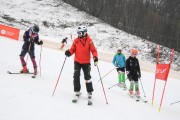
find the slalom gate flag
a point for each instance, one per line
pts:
(9, 32)
(162, 71)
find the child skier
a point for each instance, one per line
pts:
(133, 72)
(119, 61)
(30, 37)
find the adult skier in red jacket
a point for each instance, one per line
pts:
(82, 47)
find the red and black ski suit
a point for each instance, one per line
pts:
(28, 46)
(82, 47)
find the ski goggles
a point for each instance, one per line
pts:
(80, 33)
(33, 32)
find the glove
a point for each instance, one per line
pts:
(41, 42)
(95, 60)
(128, 75)
(67, 53)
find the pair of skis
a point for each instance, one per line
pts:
(75, 100)
(137, 99)
(33, 76)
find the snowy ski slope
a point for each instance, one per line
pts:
(25, 98)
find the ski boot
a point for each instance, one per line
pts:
(137, 94)
(124, 86)
(131, 93)
(24, 70)
(137, 89)
(77, 94)
(90, 98)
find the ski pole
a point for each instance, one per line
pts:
(107, 73)
(142, 88)
(59, 76)
(102, 85)
(40, 61)
(174, 102)
(28, 52)
(113, 85)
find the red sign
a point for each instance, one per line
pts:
(9, 32)
(162, 71)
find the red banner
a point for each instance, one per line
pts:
(162, 71)
(9, 32)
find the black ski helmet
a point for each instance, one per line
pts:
(35, 29)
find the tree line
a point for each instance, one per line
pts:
(155, 20)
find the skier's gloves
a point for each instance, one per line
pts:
(128, 75)
(95, 60)
(67, 53)
(40, 42)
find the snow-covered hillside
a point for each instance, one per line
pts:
(58, 19)
(25, 98)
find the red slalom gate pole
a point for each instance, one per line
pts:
(59, 76)
(40, 60)
(102, 86)
(157, 62)
(162, 97)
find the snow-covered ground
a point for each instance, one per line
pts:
(25, 98)
(58, 19)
